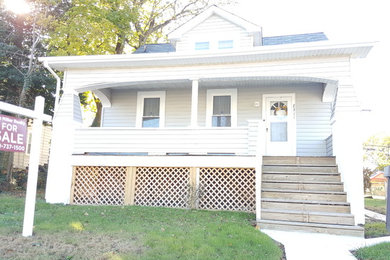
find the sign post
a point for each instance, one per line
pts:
(13, 138)
(387, 174)
(33, 167)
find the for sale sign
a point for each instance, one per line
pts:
(13, 134)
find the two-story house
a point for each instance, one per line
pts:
(221, 117)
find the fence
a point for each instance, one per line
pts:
(175, 187)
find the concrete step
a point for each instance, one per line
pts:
(300, 169)
(308, 216)
(300, 160)
(299, 177)
(303, 185)
(345, 230)
(305, 205)
(304, 195)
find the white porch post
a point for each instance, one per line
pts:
(67, 117)
(194, 103)
(347, 147)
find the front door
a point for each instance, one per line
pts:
(279, 119)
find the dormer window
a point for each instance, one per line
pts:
(199, 46)
(228, 44)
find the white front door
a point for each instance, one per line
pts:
(279, 119)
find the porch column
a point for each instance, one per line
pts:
(67, 117)
(347, 147)
(194, 103)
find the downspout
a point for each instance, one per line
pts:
(58, 87)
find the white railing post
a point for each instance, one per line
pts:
(259, 152)
(194, 103)
(32, 180)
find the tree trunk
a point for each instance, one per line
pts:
(120, 44)
(98, 117)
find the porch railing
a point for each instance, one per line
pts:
(235, 140)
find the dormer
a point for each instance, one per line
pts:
(215, 29)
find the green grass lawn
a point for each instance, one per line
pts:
(375, 229)
(376, 205)
(131, 232)
(376, 252)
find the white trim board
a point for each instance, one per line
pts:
(166, 161)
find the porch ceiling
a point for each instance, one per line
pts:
(210, 82)
(103, 91)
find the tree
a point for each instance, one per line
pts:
(92, 27)
(21, 77)
(377, 151)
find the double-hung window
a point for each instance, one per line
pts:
(221, 108)
(151, 113)
(150, 109)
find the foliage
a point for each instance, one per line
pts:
(378, 252)
(111, 25)
(159, 233)
(377, 151)
(21, 76)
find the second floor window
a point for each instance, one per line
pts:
(225, 44)
(202, 46)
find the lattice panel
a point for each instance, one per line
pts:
(162, 186)
(99, 185)
(227, 189)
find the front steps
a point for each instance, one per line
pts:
(305, 194)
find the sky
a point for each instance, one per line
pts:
(344, 21)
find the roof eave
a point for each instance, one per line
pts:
(261, 53)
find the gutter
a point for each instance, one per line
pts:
(58, 87)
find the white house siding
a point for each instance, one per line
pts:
(123, 109)
(21, 160)
(213, 29)
(122, 112)
(312, 115)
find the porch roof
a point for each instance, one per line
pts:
(255, 54)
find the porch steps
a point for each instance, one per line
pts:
(345, 230)
(308, 216)
(303, 185)
(305, 194)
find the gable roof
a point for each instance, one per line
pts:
(377, 175)
(295, 38)
(213, 10)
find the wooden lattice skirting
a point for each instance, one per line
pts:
(176, 187)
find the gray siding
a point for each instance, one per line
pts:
(312, 115)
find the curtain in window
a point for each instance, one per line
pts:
(151, 115)
(151, 107)
(221, 111)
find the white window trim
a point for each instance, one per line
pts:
(141, 95)
(232, 92)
